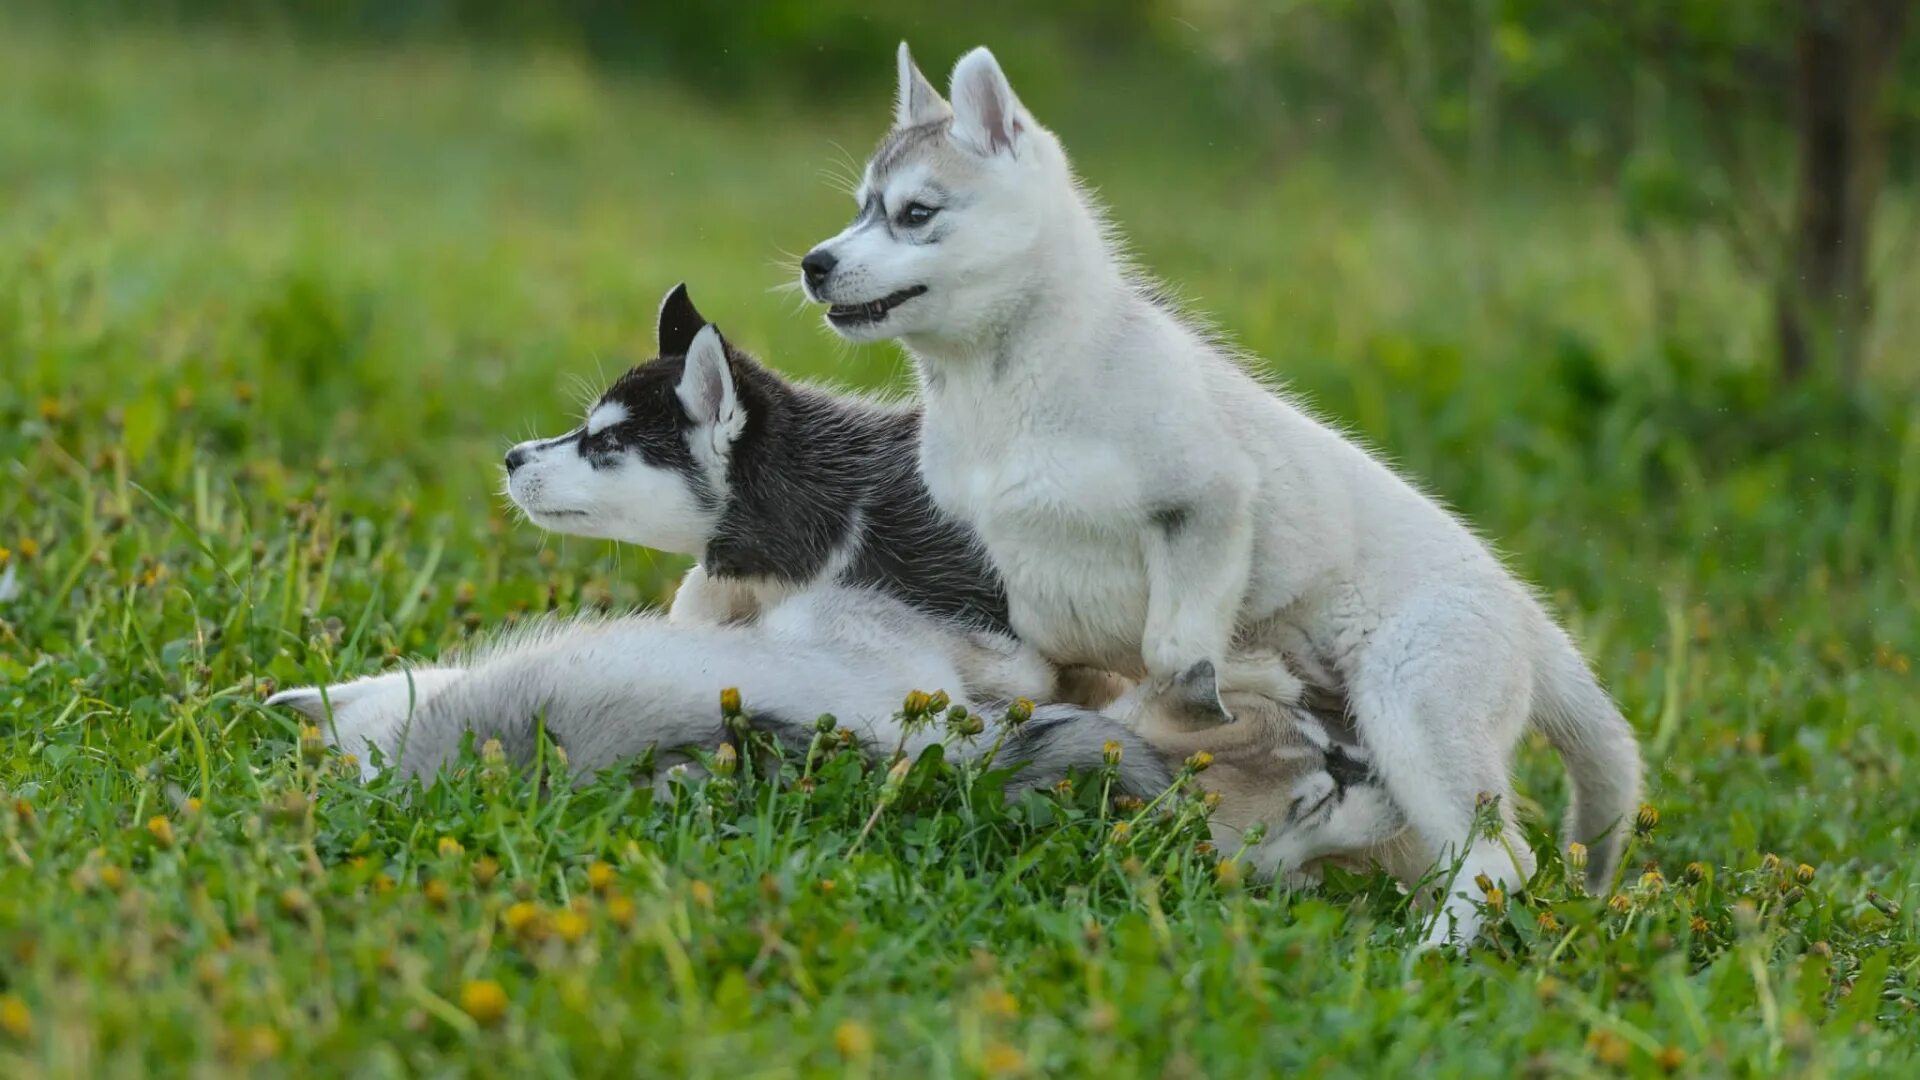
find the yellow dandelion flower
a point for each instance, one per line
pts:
(600, 876)
(436, 893)
(161, 830)
(484, 1000)
(450, 848)
(1002, 1060)
(570, 926)
(485, 869)
(16, 1019)
(702, 894)
(852, 1039)
(998, 1003)
(620, 910)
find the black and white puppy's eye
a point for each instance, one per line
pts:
(914, 215)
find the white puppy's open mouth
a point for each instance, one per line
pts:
(873, 311)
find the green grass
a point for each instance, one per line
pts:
(269, 316)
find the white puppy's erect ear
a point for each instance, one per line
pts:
(918, 102)
(986, 115)
(707, 391)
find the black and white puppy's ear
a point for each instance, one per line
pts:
(1194, 696)
(986, 115)
(679, 321)
(709, 397)
(917, 102)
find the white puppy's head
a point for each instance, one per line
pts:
(954, 207)
(649, 466)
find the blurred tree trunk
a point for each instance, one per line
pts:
(1845, 52)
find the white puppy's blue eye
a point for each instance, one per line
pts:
(916, 214)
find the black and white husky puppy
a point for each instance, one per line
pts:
(607, 690)
(774, 486)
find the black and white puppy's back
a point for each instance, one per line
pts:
(773, 486)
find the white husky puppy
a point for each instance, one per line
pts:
(1149, 505)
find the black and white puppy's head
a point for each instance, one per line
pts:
(649, 466)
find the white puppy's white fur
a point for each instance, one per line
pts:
(1150, 504)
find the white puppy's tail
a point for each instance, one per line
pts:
(1600, 751)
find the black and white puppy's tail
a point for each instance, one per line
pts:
(1063, 739)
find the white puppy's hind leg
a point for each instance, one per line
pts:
(1440, 699)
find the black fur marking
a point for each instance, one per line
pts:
(679, 322)
(1345, 770)
(655, 426)
(1171, 520)
(810, 474)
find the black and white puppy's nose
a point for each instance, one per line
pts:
(817, 265)
(517, 457)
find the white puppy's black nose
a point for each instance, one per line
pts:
(517, 457)
(817, 265)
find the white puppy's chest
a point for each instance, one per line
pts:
(1061, 520)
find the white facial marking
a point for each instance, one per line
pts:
(605, 415)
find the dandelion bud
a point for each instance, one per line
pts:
(1211, 800)
(1652, 883)
(1199, 761)
(1645, 821)
(1122, 830)
(896, 779)
(730, 702)
(1227, 875)
(449, 847)
(313, 747)
(1694, 874)
(1129, 804)
(1484, 882)
(1577, 857)
(938, 702)
(1019, 712)
(1793, 896)
(1804, 874)
(825, 724)
(492, 754)
(1063, 787)
(1547, 923)
(963, 723)
(1110, 752)
(161, 830)
(1670, 1059)
(725, 760)
(917, 704)
(1620, 904)
(1770, 863)
(1496, 901)
(1254, 834)
(1883, 905)
(1699, 925)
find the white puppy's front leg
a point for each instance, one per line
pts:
(1198, 554)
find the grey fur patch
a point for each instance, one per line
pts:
(1063, 738)
(1171, 520)
(901, 144)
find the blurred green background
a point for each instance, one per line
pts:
(1632, 284)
